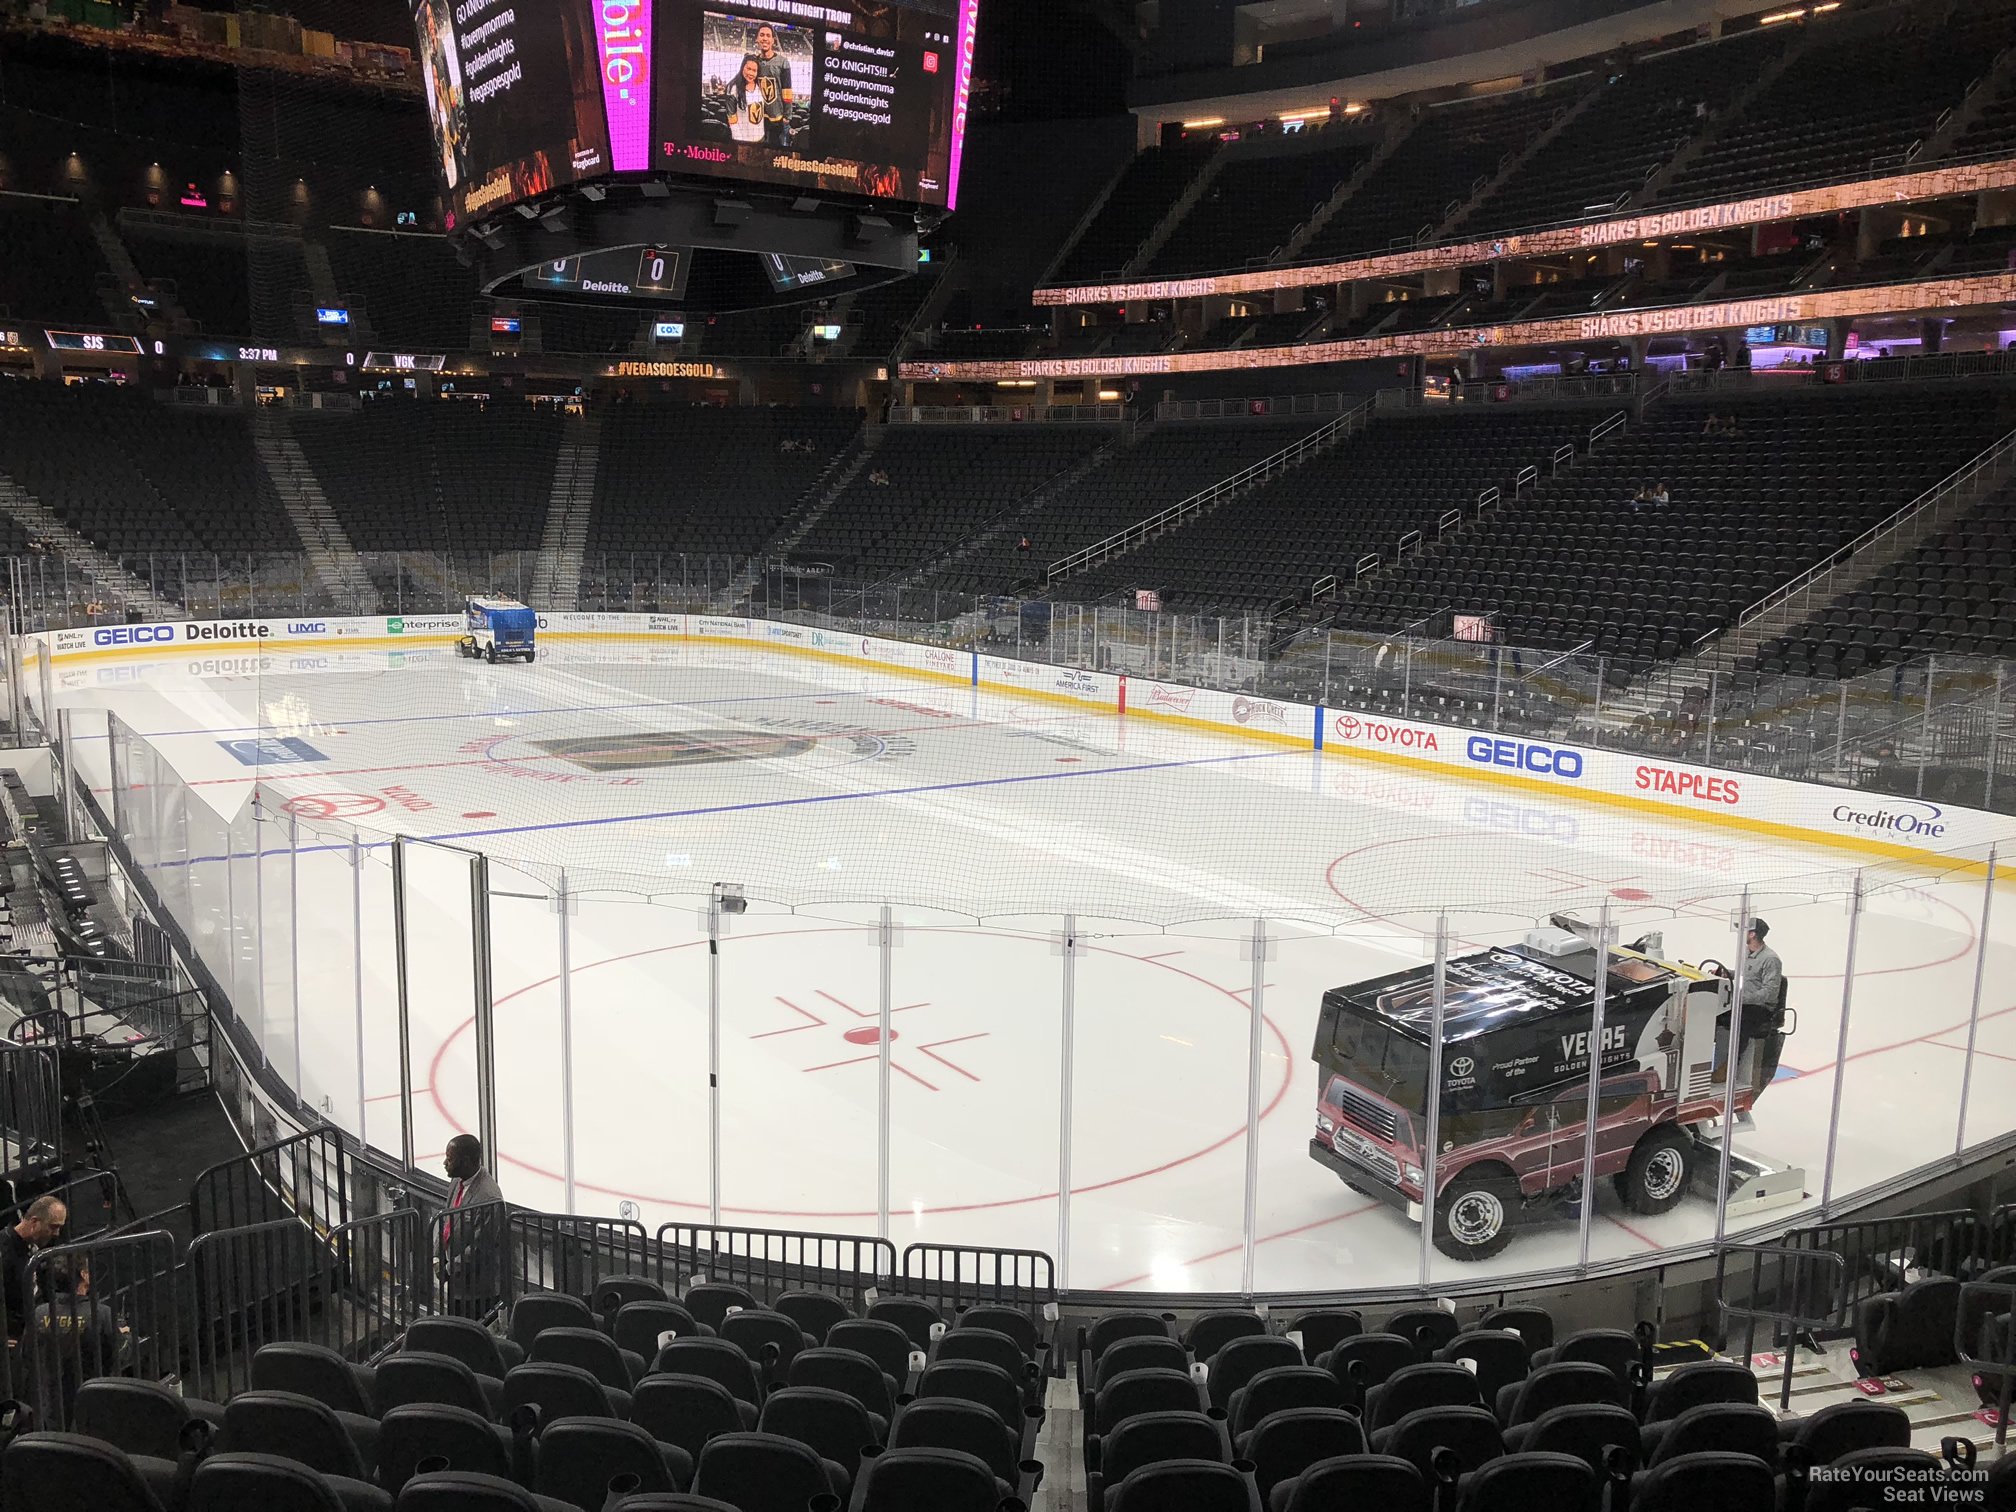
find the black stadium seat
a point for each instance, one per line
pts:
(1356, 1480)
(1908, 1329)
(66, 1472)
(466, 1340)
(419, 1432)
(686, 1411)
(1531, 1483)
(760, 1472)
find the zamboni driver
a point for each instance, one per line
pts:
(1763, 988)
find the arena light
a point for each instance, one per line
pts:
(1785, 15)
(1206, 122)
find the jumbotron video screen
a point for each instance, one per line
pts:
(862, 97)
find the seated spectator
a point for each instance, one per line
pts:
(1660, 497)
(1712, 426)
(1642, 498)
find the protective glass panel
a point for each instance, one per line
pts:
(438, 931)
(534, 1046)
(373, 909)
(1915, 959)
(245, 907)
(1991, 1091)
(325, 982)
(1325, 1218)
(976, 1013)
(799, 996)
(279, 965)
(1160, 1063)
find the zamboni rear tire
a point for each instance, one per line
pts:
(1661, 1169)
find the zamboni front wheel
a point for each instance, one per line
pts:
(1661, 1168)
(1476, 1215)
(490, 655)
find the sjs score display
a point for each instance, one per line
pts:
(864, 97)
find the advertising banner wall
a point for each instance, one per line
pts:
(1617, 779)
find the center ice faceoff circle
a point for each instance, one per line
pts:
(627, 759)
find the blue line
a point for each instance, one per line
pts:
(768, 803)
(665, 703)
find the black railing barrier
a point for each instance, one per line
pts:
(1881, 1254)
(112, 1307)
(562, 1252)
(380, 1282)
(304, 1176)
(248, 1287)
(31, 1109)
(1793, 1290)
(954, 1277)
(770, 1261)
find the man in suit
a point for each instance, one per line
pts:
(472, 1232)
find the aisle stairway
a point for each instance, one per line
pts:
(331, 556)
(556, 576)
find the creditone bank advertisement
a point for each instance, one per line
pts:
(856, 97)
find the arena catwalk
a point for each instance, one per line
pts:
(645, 776)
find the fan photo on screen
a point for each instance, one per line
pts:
(441, 85)
(509, 95)
(756, 82)
(862, 102)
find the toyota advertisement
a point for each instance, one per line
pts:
(860, 97)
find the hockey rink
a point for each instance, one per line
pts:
(645, 776)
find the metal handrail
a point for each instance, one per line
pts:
(1563, 454)
(1262, 407)
(1527, 477)
(1345, 424)
(1447, 521)
(1016, 414)
(1607, 428)
(1931, 498)
(1580, 649)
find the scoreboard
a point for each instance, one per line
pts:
(621, 272)
(860, 98)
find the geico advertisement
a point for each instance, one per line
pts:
(177, 634)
